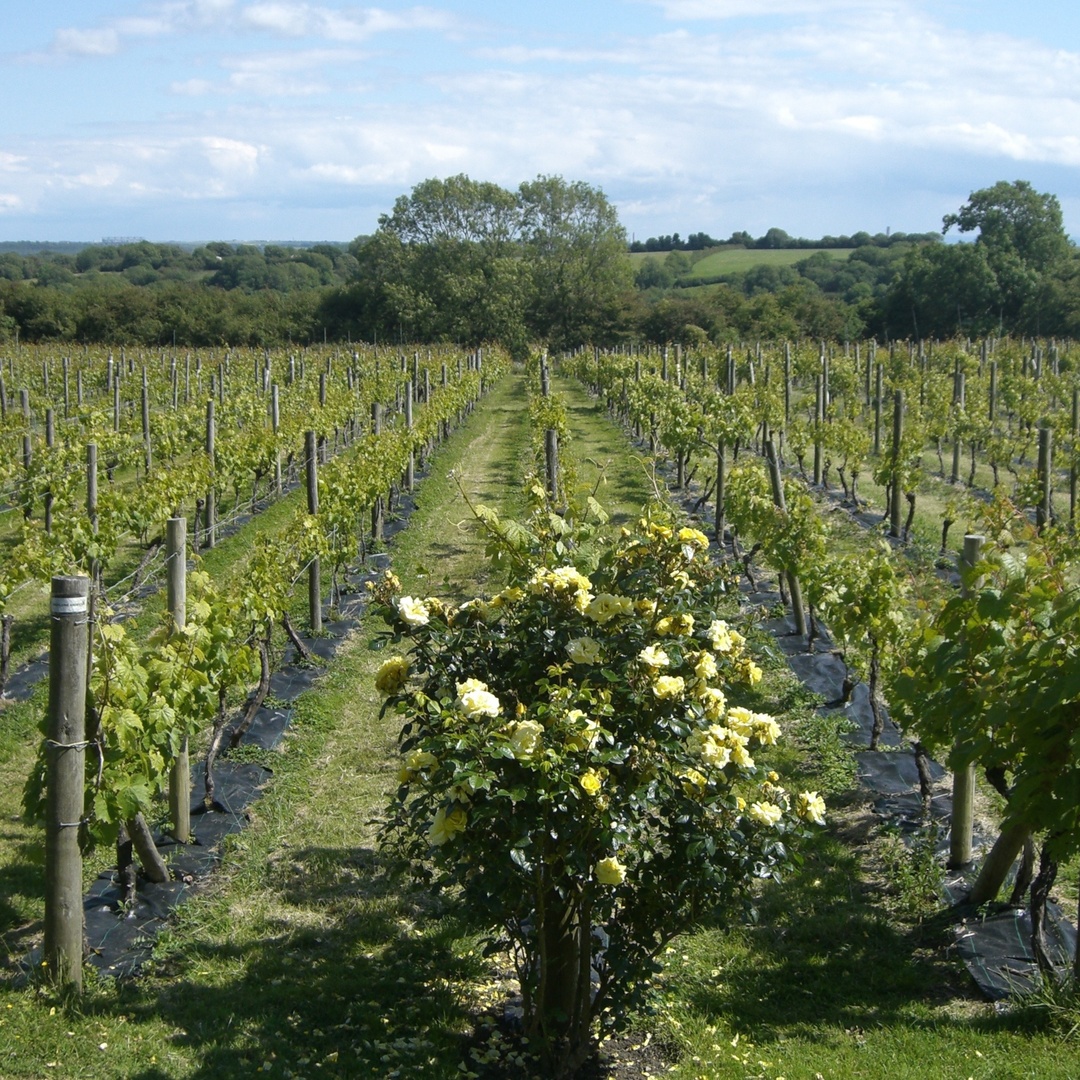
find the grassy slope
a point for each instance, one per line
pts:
(733, 260)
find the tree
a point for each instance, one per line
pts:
(1021, 232)
(943, 289)
(1014, 220)
(444, 264)
(576, 252)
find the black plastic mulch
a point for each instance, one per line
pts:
(996, 948)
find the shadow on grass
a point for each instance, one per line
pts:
(338, 976)
(22, 883)
(825, 957)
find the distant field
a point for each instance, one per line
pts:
(734, 260)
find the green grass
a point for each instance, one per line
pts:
(731, 260)
(738, 260)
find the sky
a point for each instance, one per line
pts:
(285, 120)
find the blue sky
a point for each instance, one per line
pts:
(280, 119)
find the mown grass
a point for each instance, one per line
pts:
(730, 260)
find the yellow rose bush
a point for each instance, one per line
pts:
(575, 761)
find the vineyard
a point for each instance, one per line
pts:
(579, 696)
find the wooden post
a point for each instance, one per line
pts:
(311, 477)
(275, 423)
(180, 772)
(963, 793)
(794, 588)
(787, 384)
(819, 422)
(377, 510)
(65, 769)
(720, 526)
(147, 449)
(992, 406)
(210, 509)
(50, 442)
(116, 404)
(92, 502)
(551, 462)
(1072, 467)
(958, 401)
(1043, 516)
(896, 495)
(410, 468)
(67, 387)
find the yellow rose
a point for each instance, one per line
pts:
(610, 871)
(526, 739)
(588, 730)
(741, 719)
(392, 675)
(669, 686)
(811, 806)
(766, 813)
(475, 700)
(766, 729)
(413, 611)
(693, 537)
(705, 666)
(591, 782)
(583, 650)
(653, 657)
(712, 701)
(416, 761)
(447, 824)
(694, 783)
(720, 636)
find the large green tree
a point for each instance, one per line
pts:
(1024, 240)
(444, 265)
(468, 261)
(576, 252)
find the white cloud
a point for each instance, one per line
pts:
(308, 20)
(9, 202)
(734, 9)
(80, 42)
(230, 156)
(284, 18)
(192, 87)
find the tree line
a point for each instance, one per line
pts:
(467, 261)
(777, 238)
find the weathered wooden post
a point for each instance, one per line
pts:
(1043, 514)
(311, 478)
(275, 423)
(963, 794)
(895, 493)
(210, 506)
(410, 467)
(65, 746)
(180, 772)
(798, 611)
(378, 509)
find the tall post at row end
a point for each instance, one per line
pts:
(65, 753)
(180, 772)
(311, 476)
(963, 797)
